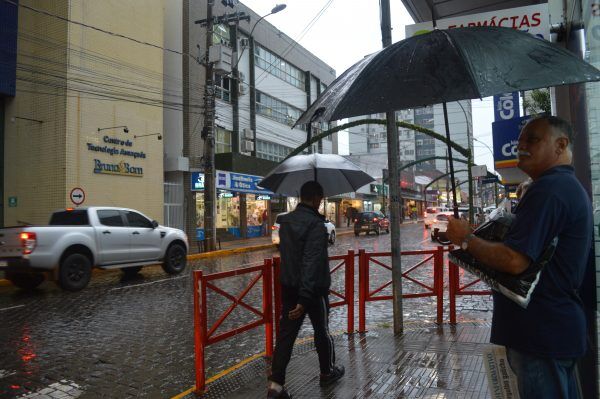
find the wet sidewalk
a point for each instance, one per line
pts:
(265, 241)
(427, 361)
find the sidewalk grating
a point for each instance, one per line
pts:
(427, 361)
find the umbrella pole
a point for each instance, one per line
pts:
(450, 162)
(394, 172)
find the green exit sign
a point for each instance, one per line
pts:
(12, 202)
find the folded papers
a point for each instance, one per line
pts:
(517, 288)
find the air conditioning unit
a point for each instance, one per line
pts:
(247, 146)
(244, 42)
(248, 133)
(220, 55)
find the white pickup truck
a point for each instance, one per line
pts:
(77, 240)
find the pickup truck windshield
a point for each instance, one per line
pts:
(70, 218)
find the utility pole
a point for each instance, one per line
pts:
(393, 166)
(208, 134)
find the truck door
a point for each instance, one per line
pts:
(113, 237)
(146, 241)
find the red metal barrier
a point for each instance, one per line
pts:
(347, 298)
(455, 289)
(204, 336)
(366, 295)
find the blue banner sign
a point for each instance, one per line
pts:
(197, 181)
(506, 106)
(229, 181)
(506, 135)
(9, 27)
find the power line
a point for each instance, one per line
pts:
(49, 14)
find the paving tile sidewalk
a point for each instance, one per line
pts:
(426, 361)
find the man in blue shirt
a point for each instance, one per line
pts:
(543, 341)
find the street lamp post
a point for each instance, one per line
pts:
(495, 183)
(235, 73)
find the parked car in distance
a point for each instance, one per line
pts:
(365, 222)
(77, 240)
(439, 227)
(430, 214)
(275, 230)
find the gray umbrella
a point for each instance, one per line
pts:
(448, 65)
(336, 174)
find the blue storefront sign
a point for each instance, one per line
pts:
(505, 135)
(9, 16)
(506, 106)
(229, 181)
(197, 181)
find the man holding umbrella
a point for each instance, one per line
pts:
(305, 282)
(544, 340)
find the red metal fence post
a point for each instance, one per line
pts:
(199, 331)
(452, 288)
(277, 293)
(268, 306)
(438, 278)
(350, 290)
(362, 290)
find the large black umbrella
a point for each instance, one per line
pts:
(335, 173)
(447, 65)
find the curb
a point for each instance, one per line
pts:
(212, 254)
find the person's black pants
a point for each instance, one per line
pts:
(318, 312)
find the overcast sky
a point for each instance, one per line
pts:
(345, 32)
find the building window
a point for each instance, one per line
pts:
(276, 66)
(271, 151)
(223, 88)
(222, 140)
(277, 110)
(373, 145)
(323, 87)
(424, 110)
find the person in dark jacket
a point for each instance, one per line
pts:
(305, 282)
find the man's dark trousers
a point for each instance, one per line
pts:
(318, 312)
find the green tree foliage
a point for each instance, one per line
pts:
(538, 102)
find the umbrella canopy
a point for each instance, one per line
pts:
(448, 65)
(335, 173)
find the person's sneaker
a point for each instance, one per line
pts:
(336, 373)
(274, 394)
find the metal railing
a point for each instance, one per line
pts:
(366, 294)
(268, 313)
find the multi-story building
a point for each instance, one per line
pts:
(264, 81)
(81, 107)
(371, 139)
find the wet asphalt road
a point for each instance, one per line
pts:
(134, 338)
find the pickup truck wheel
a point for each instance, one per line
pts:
(175, 259)
(131, 271)
(75, 272)
(25, 281)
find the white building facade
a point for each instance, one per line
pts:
(263, 82)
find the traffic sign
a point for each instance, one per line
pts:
(77, 196)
